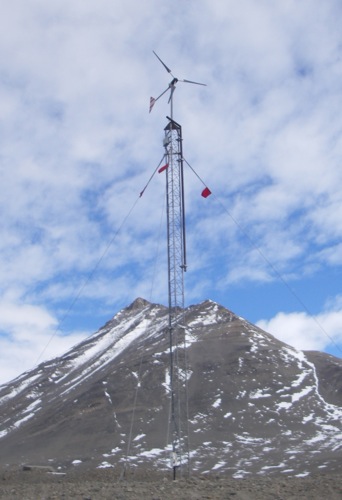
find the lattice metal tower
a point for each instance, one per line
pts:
(176, 252)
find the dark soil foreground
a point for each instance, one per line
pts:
(105, 484)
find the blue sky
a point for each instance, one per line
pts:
(77, 145)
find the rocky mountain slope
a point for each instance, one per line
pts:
(256, 405)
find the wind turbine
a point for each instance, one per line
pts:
(171, 87)
(177, 265)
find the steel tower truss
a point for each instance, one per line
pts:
(176, 249)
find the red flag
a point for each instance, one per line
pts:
(152, 101)
(164, 167)
(206, 192)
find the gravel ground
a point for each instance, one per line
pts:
(105, 484)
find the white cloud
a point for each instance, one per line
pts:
(77, 144)
(29, 335)
(306, 332)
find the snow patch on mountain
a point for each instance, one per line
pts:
(17, 389)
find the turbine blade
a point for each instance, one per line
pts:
(162, 94)
(154, 100)
(196, 83)
(167, 69)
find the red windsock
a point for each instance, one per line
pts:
(206, 192)
(164, 167)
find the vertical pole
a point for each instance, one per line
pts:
(176, 267)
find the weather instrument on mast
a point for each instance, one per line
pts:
(177, 264)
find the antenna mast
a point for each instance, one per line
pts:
(176, 252)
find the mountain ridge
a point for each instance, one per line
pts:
(256, 405)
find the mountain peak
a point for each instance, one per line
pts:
(138, 303)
